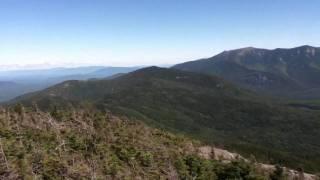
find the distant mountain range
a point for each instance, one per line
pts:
(10, 89)
(18, 82)
(78, 73)
(202, 106)
(293, 73)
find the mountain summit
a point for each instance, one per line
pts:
(291, 72)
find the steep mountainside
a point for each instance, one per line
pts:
(290, 72)
(201, 106)
(88, 144)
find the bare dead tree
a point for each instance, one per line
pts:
(4, 155)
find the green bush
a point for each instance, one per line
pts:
(145, 158)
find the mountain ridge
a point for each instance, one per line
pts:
(280, 72)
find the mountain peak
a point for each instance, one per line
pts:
(247, 48)
(243, 51)
(306, 46)
(148, 69)
(240, 50)
(298, 48)
(307, 50)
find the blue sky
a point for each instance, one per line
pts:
(145, 32)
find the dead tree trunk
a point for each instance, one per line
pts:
(3, 156)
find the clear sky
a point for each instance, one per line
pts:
(145, 32)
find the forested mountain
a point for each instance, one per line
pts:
(18, 82)
(201, 106)
(292, 72)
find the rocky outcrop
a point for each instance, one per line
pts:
(209, 152)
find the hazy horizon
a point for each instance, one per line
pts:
(42, 66)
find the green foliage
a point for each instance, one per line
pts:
(55, 113)
(182, 168)
(199, 168)
(53, 168)
(101, 146)
(76, 143)
(126, 155)
(145, 158)
(193, 167)
(18, 108)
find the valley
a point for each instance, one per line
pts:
(200, 106)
